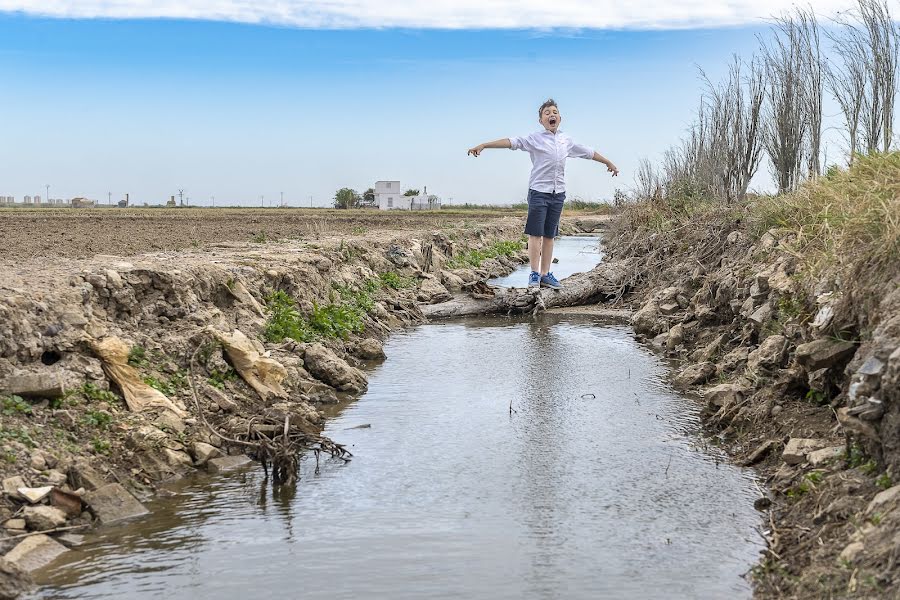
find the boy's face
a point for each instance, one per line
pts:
(550, 118)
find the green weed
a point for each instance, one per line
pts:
(137, 357)
(884, 481)
(15, 405)
(396, 281)
(218, 378)
(97, 418)
(474, 257)
(101, 446)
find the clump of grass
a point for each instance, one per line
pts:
(101, 446)
(259, 238)
(345, 314)
(169, 387)
(16, 435)
(217, 378)
(396, 281)
(97, 418)
(137, 356)
(850, 216)
(884, 481)
(474, 257)
(92, 393)
(15, 405)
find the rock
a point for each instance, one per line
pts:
(761, 314)
(326, 366)
(55, 478)
(203, 452)
(776, 410)
(824, 353)
(11, 487)
(644, 321)
(797, 449)
(733, 238)
(884, 501)
(669, 308)
(68, 503)
(15, 524)
(225, 463)
(168, 420)
(724, 395)
(675, 337)
(34, 552)
(852, 552)
(818, 458)
(13, 581)
(113, 279)
(43, 518)
(177, 458)
(695, 374)
(823, 317)
(769, 355)
(369, 349)
(112, 503)
(432, 292)
(37, 461)
(736, 359)
(35, 385)
(317, 391)
(83, 475)
(452, 281)
(872, 367)
(34, 495)
(759, 288)
(856, 425)
(222, 400)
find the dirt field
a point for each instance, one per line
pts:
(81, 233)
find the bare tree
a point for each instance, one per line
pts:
(847, 82)
(812, 72)
(786, 119)
(647, 182)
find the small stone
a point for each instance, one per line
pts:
(82, 474)
(762, 504)
(761, 314)
(872, 367)
(225, 463)
(369, 349)
(15, 524)
(817, 458)
(43, 518)
(34, 552)
(761, 451)
(669, 308)
(11, 486)
(885, 500)
(723, 395)
(675, 337)
(823, 353)
(37, 461)
(177, 458)
(42, 384)
(171, 421)
(55, 478)
(34, 495)
(852, 552)
(112, 502)
(695, 374)
(760, 287)
(797, 449)
(776, 410)
(113, 279)
(204, 452)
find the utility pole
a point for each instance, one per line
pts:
(262, 201)
(109, 198)
(48, 193)
(282, 199)
(310, 201)
(181, 197)
(213, 198)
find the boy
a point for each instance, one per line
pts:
(546, 187)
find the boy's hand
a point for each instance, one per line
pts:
(476, 150)
(612, 169)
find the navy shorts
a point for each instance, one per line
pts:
(544, 210)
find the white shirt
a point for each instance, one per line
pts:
(548, 158)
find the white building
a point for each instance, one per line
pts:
(389, 196)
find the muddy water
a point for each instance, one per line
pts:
(595, 485)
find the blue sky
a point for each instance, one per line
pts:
(238, 111)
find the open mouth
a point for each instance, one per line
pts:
(553, 120)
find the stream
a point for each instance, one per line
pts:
(493, 458)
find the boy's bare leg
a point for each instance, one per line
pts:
(546, 254)
(534, 252)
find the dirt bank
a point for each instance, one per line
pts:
(795, 352)
(120, 372)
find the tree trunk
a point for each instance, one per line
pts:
(606, 281)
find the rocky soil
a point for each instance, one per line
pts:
(800, 376)
(120, 372)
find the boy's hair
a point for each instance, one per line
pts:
(548, 103)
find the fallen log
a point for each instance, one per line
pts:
(606, 281)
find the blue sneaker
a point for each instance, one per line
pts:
(534, 280)
(550, 281)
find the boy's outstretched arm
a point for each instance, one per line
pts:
(501, 143)
(609, 165)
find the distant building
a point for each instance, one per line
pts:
(424, 202)
(37, 200)
(389, 196)
(82, 203)
(27, 199)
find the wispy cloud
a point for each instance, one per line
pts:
(444, 14)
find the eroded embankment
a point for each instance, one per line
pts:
(120, 373)
(799, 368)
